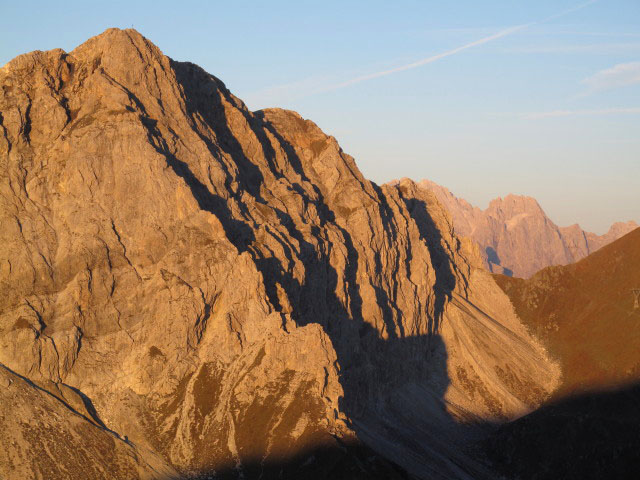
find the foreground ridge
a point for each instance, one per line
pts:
(585, 314)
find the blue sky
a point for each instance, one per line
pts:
(538, 98)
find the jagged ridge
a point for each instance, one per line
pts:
(226, 289)
(516, 236)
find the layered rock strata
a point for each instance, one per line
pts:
(516, 236)
(226, 290)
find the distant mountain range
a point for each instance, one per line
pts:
(516, 236)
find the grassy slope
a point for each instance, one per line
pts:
(584, 314)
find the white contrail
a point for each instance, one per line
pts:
(566, 12)
(425, 61)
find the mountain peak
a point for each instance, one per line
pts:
(619, 229)
(127, 48)
(221, 266)
(113, 37)
(517, 235)
(513, 204)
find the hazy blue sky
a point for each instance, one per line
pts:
(485, 97)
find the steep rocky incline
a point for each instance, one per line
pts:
(225, 289)
(516, 236)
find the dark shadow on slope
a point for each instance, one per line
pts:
(590, 436)
(338, 462)
(373, 369)
(492, 255)
(204, 106)
(239, 233)
(93, 417)
(89, 407)
(339, 458)
(494, 259)
(442, 263)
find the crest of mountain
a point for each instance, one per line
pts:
(588, 317)
(190, 289)
(516, 236)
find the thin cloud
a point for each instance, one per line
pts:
(572, 113)
(285, 93)
(598, 34)
(597, 49)
(313, 85)
(620, 75)
(434, 58)
(567, 12)
(428, 60)
(425, 61)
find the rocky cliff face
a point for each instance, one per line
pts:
(517, 237)
(226, 292)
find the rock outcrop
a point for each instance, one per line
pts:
(516, 236)
(228, 292)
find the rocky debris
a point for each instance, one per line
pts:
(227, 290)
(516, 236)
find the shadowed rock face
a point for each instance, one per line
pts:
(516, 236)
(227, 292)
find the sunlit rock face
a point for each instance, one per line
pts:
(515, 235)
(226, 294)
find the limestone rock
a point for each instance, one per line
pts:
(516, 236)
(228, 290)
